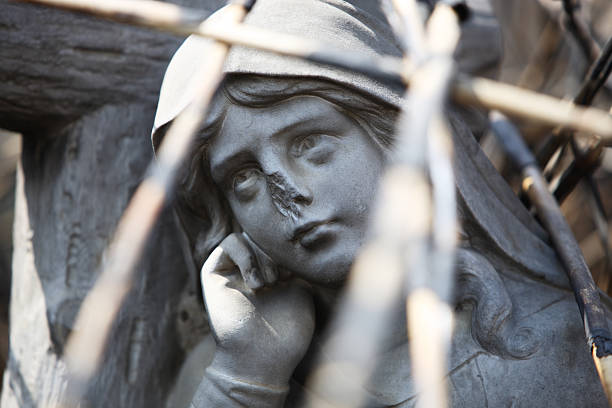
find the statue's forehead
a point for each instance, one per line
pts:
(248, 123)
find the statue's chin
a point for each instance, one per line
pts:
(330, 265)
(331, 274)
(322, 257)
(331, 280)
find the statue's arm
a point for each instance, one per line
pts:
(260, 336)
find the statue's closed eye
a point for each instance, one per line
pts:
(316, 148)
(245, 182)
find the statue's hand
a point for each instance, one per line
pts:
(261, 336)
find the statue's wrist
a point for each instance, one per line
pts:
(247, 393)
(241, 368)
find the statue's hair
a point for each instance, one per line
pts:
(204, 213)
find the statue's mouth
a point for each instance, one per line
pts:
(313, 233)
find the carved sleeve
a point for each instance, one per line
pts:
(220, 390)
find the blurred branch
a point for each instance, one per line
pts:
(86, 345)
(533, 106)
(587, 161)
(412, 29)
(533, 75)
(580, 170)
(153, 14)
(408, 215)
(429, 314)
(489, 94)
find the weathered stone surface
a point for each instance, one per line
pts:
(57, 65)
(72, 189)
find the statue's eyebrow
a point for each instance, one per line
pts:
(297, 125)
(220, 168)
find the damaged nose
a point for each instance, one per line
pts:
(286, 196)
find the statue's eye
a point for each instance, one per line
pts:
(316, 148)
(245, 182)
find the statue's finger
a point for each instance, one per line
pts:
(226, 296)
(239, 252)
(267, 269)
(217, 262)
(214, 277)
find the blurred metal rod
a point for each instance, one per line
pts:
(482, 92)
(596, 77)
(587, 296)
(585, 163)
(86, 345)
(580, 30)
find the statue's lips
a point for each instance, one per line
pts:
(312, 233)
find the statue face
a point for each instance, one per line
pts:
(299, 177)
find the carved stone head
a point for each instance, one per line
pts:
(291, 151)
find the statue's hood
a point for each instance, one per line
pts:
(355, 26)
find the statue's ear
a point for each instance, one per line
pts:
(493, 215)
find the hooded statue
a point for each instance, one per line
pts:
(280, 179)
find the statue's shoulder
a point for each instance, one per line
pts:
(559, 372)
(517, 342)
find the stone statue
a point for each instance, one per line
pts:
(274, 201)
